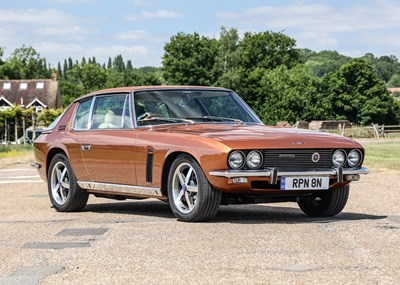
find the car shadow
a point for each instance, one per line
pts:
(240, 214)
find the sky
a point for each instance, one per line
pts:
(139, 29)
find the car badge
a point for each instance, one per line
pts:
(297, 142)
(315, 157)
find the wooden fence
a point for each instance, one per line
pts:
(383, 131)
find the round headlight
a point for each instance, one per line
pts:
(236, 160)
(339, 158)
(354, 158)
(254, 159)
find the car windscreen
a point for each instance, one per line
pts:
(163, 106)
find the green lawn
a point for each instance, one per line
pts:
(9, 151)
(382, 155)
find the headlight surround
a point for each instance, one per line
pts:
(236, 159)
(339, 158)
(354, 158)
(254, 159)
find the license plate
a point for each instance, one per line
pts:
(304, 183)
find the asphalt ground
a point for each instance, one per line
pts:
(141, 242)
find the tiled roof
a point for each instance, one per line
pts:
(394, 89)
(25, 92)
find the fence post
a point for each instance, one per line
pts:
(23, 130)
(376, 132)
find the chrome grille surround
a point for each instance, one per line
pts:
(297, 159)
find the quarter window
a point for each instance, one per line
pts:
(81, 121)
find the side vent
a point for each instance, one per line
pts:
(149, 166)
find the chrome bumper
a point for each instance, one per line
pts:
(274, 173)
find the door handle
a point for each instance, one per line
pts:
(86, 147)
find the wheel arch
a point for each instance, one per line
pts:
(51, 154)
(167, 166)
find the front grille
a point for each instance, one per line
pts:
(297, 159)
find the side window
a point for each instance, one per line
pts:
(81, 121)
(109, 112)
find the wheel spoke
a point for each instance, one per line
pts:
(63, 174)
(63, 194)
(58, 173)
(188, 175)
(56, 189)
(189, 200)
(181, 178)
(192, 189)
(178, 199)
(65, 185)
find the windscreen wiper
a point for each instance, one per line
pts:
(165, 119)
(215, 119)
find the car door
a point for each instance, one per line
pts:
(108, 146)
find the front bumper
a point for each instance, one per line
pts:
(275, 174)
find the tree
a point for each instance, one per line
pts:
(394, 81)
(267, 50)
(47, 116)
(1, 55)
(129, 65)
(226, 67)
(324, 62)
(93, 77)
(24, 63)
(385, 66)
(189, 59)
(70, 91)
(291, 95)
(119, 63)
(357, 94)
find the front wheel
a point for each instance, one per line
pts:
(325, 204)
(191, 197)
(64, 191)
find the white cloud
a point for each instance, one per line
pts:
(73, 1)
(106, 51)
(137, 35)
(70, 32)
(57, 48)
(145, 15)
(321, 25)
(35, 17)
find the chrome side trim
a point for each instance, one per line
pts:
(120, 189)
(269, 173)
(36, 165)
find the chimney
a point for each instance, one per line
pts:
(54, 75)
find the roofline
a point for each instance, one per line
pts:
(40, 102)
(131, 89)
(5, 99)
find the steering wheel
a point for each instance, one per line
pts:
(148, 115)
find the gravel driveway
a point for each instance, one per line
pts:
(140, 242)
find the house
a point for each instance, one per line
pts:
(37, 93)
(394, 90)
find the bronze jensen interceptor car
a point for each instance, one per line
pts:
(194, 147)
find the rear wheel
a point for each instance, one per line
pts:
(325, 204)
(64, 191)
(191, 197)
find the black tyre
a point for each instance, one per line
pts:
(64, 192)
(191, 197)
(325, 204)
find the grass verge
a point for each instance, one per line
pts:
(382, 155)
(10, 151)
